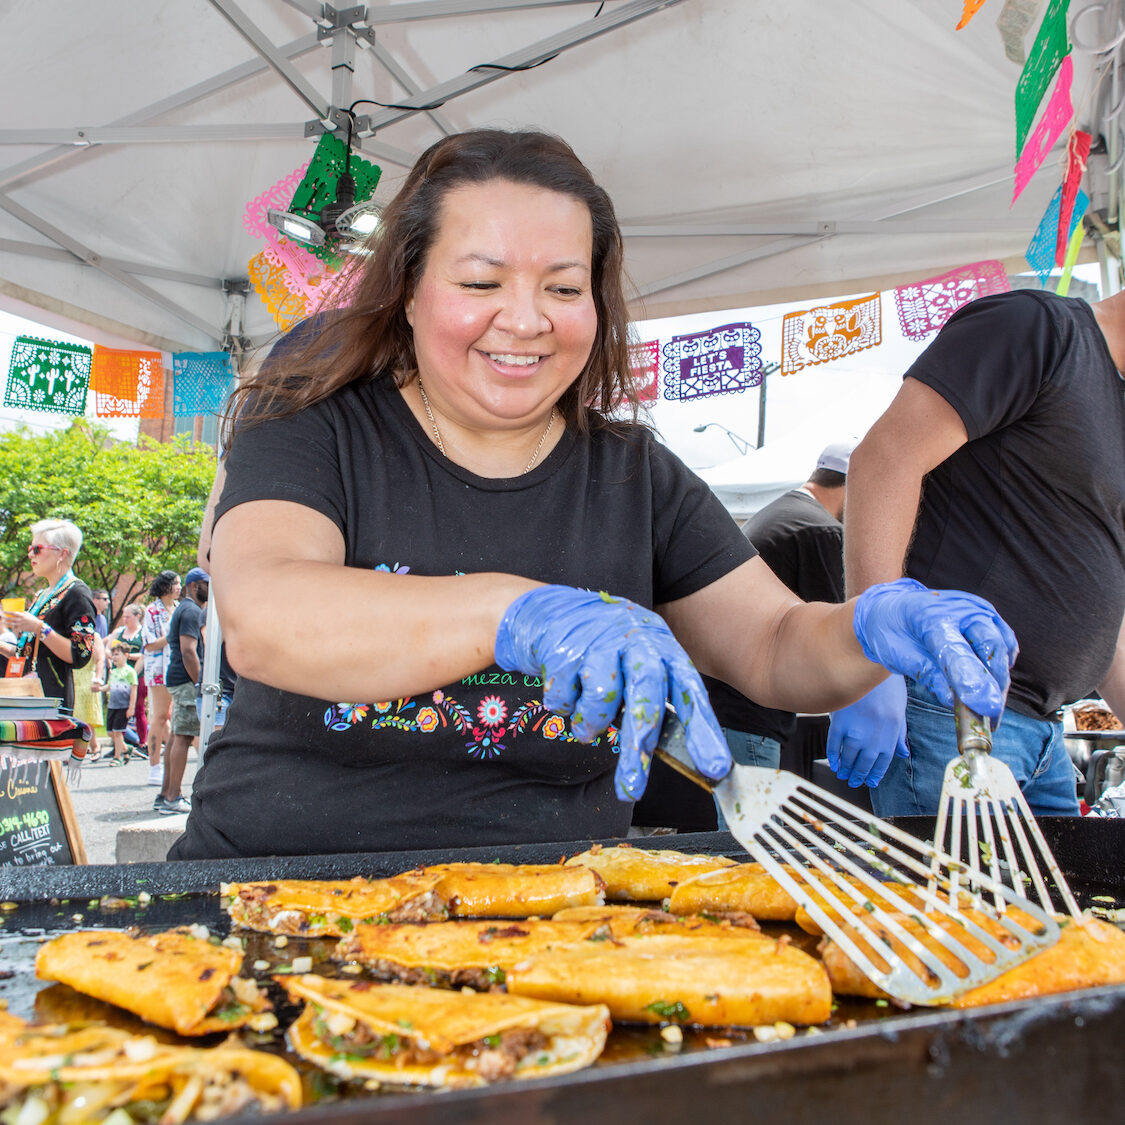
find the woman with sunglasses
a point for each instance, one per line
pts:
(62, 615)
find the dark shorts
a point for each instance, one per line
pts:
(116, 719)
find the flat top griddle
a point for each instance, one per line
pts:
(794, 1076)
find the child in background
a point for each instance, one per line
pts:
(122, 702)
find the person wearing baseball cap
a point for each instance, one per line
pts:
(185, 669)
(800, 536)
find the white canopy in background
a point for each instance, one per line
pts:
(756, 151)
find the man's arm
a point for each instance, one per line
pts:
(915, 434)
(1112, 688)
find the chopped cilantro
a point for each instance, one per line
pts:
(344, 925)
(666, 1010)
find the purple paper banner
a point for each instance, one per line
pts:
(720, 361)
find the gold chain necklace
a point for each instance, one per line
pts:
(441, 445)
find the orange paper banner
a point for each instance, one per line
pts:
(127, 384)
(830, 331)
(971, 8)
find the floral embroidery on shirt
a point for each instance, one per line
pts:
(485, 733)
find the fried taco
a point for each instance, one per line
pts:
(509, 890)
(456, 954)
(710, 982)
(745, 887)
(635, 921)
(178, 979)
(1087, 954)
(405, 1035)
(330, 908)
(59, 1075)
(639, 875)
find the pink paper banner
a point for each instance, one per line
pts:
(830, 331)
(925, 306)
(1055, 117)
(644, 362)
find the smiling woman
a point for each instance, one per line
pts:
(437, 463)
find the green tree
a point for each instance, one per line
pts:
(139, 506)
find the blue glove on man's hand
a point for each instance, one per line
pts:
(864, 737)
(952, 643)
(597, 655)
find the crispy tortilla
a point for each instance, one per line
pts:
(173, 979)
(637, 874)
(746, 887)
(479, 954)
(455, 954)
(710, 982)
(508, 890)
(404, 1035)
(330, 908)
(1086, 955)
(77, 1075)
(636, 921)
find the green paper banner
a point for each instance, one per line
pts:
(1051, 46)
(48, 376)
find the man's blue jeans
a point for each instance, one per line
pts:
(1031, 748)
(749, 750)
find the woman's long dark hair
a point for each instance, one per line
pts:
(370, 336)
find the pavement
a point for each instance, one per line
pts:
(110, 798)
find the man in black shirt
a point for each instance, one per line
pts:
(1014, 420)
(801, 537)
(185, 668)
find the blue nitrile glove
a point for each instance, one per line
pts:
(865, 736)
(599, 655)
(951, 642)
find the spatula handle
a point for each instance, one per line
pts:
(672, 747)
(973, 731)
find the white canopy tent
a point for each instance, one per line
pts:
(756, 151)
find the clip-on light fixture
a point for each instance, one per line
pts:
(340, 220)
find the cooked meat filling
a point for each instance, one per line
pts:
(493, 1057)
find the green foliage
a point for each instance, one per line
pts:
(139, 507)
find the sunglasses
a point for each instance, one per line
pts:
(36, 549)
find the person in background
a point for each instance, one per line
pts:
(1000, 468)
(121, 699)
(185, 670)
(165, 591)
(446, 454)
(101, 618)
(61, 616)
(131, 633)
(801, 538)
(89, 682)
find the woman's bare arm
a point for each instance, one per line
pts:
(378, 636)
(751, 631)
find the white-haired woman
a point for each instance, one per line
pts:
(62, 615)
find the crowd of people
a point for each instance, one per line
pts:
(122, 682)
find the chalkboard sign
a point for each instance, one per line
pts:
(37, 821)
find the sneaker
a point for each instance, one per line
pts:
(170, 808)
(156, 775)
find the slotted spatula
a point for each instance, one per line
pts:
(836, 861)
(984, 819)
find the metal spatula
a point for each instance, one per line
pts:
(837, 861)
(984, 819)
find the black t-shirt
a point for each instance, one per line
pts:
(187, 621)
(71, 615)
(803, 544)
(474, 762)
(1030, 513)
